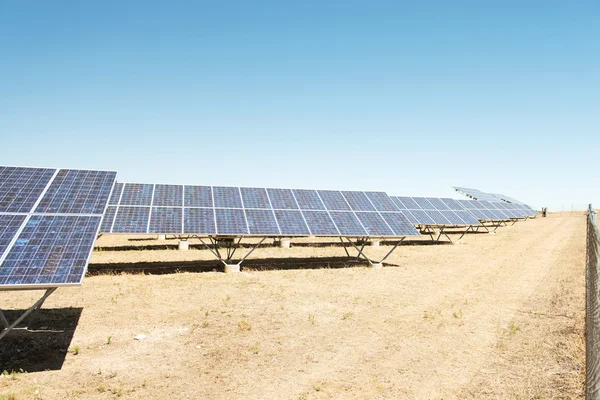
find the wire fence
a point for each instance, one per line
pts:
(592, 308)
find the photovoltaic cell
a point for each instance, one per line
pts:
(137, 194)
(423, 203)
(438, 204)
(334, 200)
(291, 222)
(358, 201)
(468, 204)
(400, 224)
(308, 199)
(409, 203)
(381, 201)
(168, 196)
(9, 226)
(422, 217)
(261, 222)
(20, 188)
(467, 217)
(78, 192)
(399, 203)
(131, 219)
(408, 214)
(116, 194)
(319, 223)
(198, 196)
(347, 223)
(374, 224)
(231, 221)
(199, 221)
(228, 197)
(108, 219)
(452, 204)
(255, 198)
(452, 217)
(167, 220)
(51, 250)
(437, 217)
(282, 199)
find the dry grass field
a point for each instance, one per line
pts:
(498, 316)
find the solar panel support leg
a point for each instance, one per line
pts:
(443, 233)
(229, 268)
(344, 246)
(373, 263)
(32, 309)
(464, 233)
(514, 221)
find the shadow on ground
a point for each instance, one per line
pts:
(44, 345)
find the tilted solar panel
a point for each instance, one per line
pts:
(20, 188)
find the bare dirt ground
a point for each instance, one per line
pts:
(498, 316)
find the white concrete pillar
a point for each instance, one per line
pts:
(284, 243)
(375, 243)
(232, 268)
(376, 265)
(161, 237)
(184, 245)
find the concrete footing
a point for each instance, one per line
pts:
(492, 233)
(161, 237)
(376, 265)
(232, 268)
(375, 243)
(184, 245)
(284, 243)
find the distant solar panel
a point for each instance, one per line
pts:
(320, 223)
(308, 199)
(375, 224)
(358, 201)
(334, 200)
(399, 223)
(282, 199)
(108, 219)
(346, 223)
(255, 198)
(137, 194)
(381, 201)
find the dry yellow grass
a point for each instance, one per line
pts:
(498, 316)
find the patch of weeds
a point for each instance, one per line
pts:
(117, 391)
(8, 396)
(255, 348)
(311, 319)
(243, 325)
(205, 324)
(426, 315)
(347, 315)
(109, 340)
(101, 388)
(513, 328)
(458, 314)
(75, 350)
(226, 299)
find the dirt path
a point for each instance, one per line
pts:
(497, 316)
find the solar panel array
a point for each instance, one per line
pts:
(219, 210)
(522, 209)
(435, 211)
(49, 220)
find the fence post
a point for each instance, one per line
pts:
(592, 308)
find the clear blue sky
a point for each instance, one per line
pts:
(409, 97)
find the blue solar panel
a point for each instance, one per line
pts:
(452, 204)
(261, 222)
(408, 214)
(423, 203)
(199, 221)
(231, 221)
(198, 196)
(227, 197)
(334, 200)
(453, 218)
(50, 251)
(166, 220)
(358, 201)
(78, 192)
(255, 198)
(116, 194)
(399, 203)
(400, 224)
(9, 226)
(291, 222)
(347, 223)
(437, 217)
(308, 199)
(282, 199)
(382, 201)
(421, 217)
(409, 203)
(438, 204)
(320, 223)
(137, 194)
(20, 188)
(168, 196)
(374, 224)
(467, 217)
(131, 219)
(468, 204)
(108, 219)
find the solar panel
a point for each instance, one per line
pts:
(334, 200)
(166, 220)
(262, 222)
(108, 219)
(438, 204)
(198, 196)
(346, 223)
(116, 194)
(168, 196)
(452, 217)
(452, 204)
(409, 203)
(437, 217)
(358, 201)
(255, 198)
(282, 199)
(199, 221)
(374, 223)
(291, 223)
(227, 197)
(467, 217)
(137, 194)
(381, 201)
(308, 199)
(421, 217)
(131, 219)
(423, 203)
(400, 224)
(231, 221)
(320, 223)
(51, 250)
(20, 188)
(9, 227)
